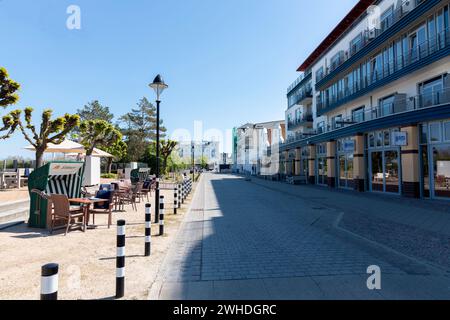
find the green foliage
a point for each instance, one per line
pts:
(118, 150)
(95, 111)
(139, 129)
(98, 133)
(109, 176)
(8, 89)
(166, 148)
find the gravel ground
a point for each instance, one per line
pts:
(87, 260)
(409, 240)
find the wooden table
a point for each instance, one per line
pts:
(86, 204)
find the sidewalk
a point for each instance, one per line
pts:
(414, 227)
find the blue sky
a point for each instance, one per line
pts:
(227, 62)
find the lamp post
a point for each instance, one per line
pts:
(159, 86)
(193, 160)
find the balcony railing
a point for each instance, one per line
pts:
(406, 104)
(308, 118)
(300, 96)
(439, 42)
(370, 35)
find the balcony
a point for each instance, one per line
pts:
(304, 120)
(302, 96)
(424, 54)
(372, 39)
(376, 114)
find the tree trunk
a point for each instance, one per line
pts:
(110, 161)
(39, 158)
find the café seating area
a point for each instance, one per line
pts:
(14, 178)
(70, 213)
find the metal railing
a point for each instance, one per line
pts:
(407, 104)
(302, 94)
(369, 35)
(298, 80)
(421, 51)
(302, 120)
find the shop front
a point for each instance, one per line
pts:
(435, 159)
(384, 158)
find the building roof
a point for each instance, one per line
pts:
(345, 23)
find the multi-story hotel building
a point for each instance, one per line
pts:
(378, 90)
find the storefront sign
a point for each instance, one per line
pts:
(399, 139)
(349, 146)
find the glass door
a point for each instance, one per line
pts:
(322, 171)
(391, 171)
(377, 172)
(346, 171)
(385, 171)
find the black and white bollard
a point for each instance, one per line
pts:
(148, 229)
(182, 192)
(120, 260)
(161, 215)
(179, 196)
(175, 200)
(49, 282)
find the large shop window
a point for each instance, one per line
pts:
(435, 159)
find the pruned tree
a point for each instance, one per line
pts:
(166, 149)
(98, 134)
(118, 150)
(51, 131)
(8, 89)
(8, 96)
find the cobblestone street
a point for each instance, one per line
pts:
(243, 240)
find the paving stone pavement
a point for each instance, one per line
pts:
(243, 241)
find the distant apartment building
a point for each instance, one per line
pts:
(371, 109)
(209, 150)
(256, 147)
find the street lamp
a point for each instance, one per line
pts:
(193, 160)
(159, 86)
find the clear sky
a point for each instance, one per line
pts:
(227, 62)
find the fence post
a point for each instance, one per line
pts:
(161, 215)
(120, 260)
(175, 200)
(49, 281)
(148, 229)
(179, 196)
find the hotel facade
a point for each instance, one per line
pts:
(371, 108)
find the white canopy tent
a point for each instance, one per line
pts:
(92, 163)
(72, 148)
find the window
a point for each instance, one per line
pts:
(337, 122)
(372, 140)
(387, 19)
(447, 131)
(376, 68)
(435, 132)
(321, 127)
(358, 114)
(356, 44)
(387, 138)
(431, 91)
(319, 74)
(387, 105)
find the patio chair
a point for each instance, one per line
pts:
(127, 197)
(63, 212)
(147, 189)
(137, 191)
(105, 207)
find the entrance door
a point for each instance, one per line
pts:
(440, 164)
(385, 171)
(322, 171)
(346, 171)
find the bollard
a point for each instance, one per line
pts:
(49, 282)
(120, 260)
(161, 215)
(182, 192)
(179, 196)
(175, 200)
(148, 229)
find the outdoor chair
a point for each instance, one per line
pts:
(103, 207)
(127, 197)
(62, 211)
(146, 190)
(137, 191)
